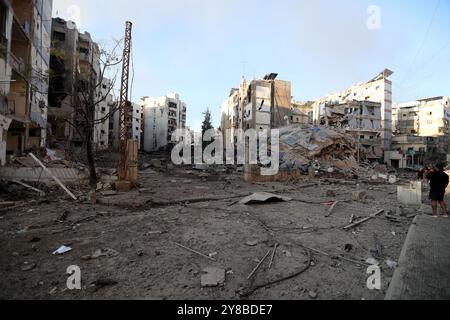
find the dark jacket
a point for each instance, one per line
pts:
(439, 181)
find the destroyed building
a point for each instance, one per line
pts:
(362, 119)
(24, 63)
(377, 90)
(302, 112)
(162, 116)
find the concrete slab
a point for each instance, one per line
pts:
(424, 264)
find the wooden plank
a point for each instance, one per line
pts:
(54, 177)
(351, 226)
(132, 162)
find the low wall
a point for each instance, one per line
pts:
(66, 175)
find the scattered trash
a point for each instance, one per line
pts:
(263, 197)
(287, 253)
(312, 295)
(391, 264)
(213, 277)
(372, 261)
(62, 250)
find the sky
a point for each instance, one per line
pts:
(201, 48)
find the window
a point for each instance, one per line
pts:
(3, 16)
(59, 36)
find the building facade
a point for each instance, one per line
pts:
(133, 122)
(76, 77)
(24, 65)
(162, 116)
(377, 90)
(422, 130)
(259, 104)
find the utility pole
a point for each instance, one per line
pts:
(123, 104)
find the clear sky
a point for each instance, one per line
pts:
(201, 48)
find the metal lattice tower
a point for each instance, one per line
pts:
(123, 104)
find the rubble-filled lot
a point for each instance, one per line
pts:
(138, 245)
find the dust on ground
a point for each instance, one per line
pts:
(137, 233)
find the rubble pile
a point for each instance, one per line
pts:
(300, 146)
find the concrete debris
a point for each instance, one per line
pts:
(252, 243)
(263, 197)
(62, 250)
(359, 195)
(299, 146)
(391, 264)
(372, 261)
(28, 267)
(312, 294)
(213, 277)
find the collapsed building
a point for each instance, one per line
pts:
(362, 119)
(372, 95)
(302, 112)
(24, 64)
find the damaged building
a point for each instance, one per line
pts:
(24, 65)
(362, 119)
(75, 65)
(378, 94)
(162, 116)
(259, 104)
(421, 132)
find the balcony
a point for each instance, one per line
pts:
(17, 64)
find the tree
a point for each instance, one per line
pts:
(206, 125)
(89, 90)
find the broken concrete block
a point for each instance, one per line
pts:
(213, 277)
(359, 195)
(123, 186)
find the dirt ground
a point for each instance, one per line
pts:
(137, 232)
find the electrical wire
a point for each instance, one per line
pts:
(423, 42)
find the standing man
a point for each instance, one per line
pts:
(439, 181)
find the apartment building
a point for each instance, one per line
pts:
(259, 104)
(76, 75)
(428, 117)
(421, 130)
(102, 111)
(377, 90)
(134, 124)
(25, 27)
(162, 116)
